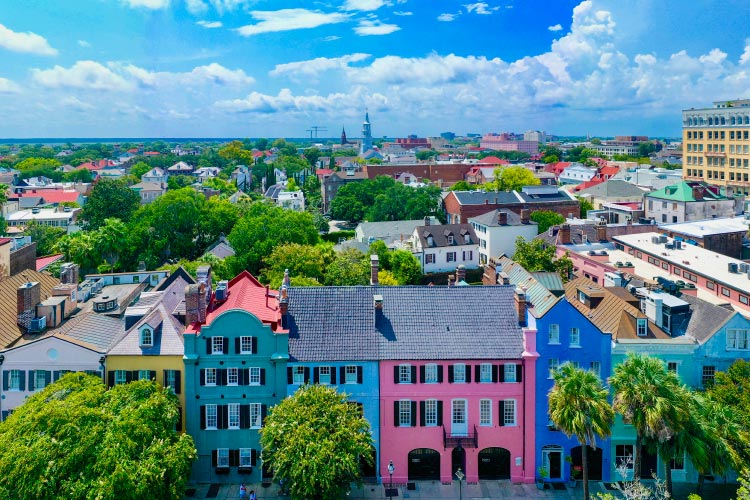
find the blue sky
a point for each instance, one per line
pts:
(274, 68)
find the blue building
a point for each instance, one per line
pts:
(564, 335)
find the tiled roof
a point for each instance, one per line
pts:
(9, 329)
(490, 218)
(167, 336)
(52, 195)
(440, 234)
(174, 289)
(43, 262)
(416, 322)
(706, 318)
(90, 330)
(389, 231)
(540, 297)
(493, 160)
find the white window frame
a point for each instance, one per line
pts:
(233, 376)
(324, 375)
(596, 367)
(430, 412)
(350, 374)
(14, 380)
(738, 339)
(212, 417)
(641, 327)
(404, 413)
(509, 412)
(144, 375)
(553, 365)
(298, 375)
(222, 458)
(509, 370)
(485, 372)
(575, 337)
(625, 459)
(217, 345)
(553, 334)
(170, 379)
(404, 374)
(147, 337)
(210, 377)
(246, 457)
(121, 377)
(40, 380)
(254, 375)
(450, 257)
(459, 368)
(485, 412)
(246, 345)
(256, 416)
(233, 412)
(673, 366)
(431, 373)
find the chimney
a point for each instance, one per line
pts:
(69, 273)
(525, 215)
(698, 193)
(28, 296)
(203, 273)
(520, 299)
(601, 232)
(460, 273)
(284, 294)
(374, 264)
(427, 221)
(503, 278)
(564, 234)
(450, 280)
(195, 310)
(502, 218)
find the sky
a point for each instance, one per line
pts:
(277, 68)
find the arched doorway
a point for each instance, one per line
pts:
(424, 463)
(369, 473)
(494, 463)
(594, 458)
(552, 461)
(458, 460)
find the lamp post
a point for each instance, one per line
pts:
(460, 476)
(391, 468)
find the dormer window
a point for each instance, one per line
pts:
(147, 337)
(642, 327)
(467, 239)
(451, 240)
(582, 297)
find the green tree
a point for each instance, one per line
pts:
(579, 407)
(291, 165)
(109, 199)
(82, 248)
(3, 199)
(512, 179)
(139, 169)
(110, 239)
(224, 187)
(534, 255)
(79, 175)
(235, 152)
(77, 440)
(309, 261)
(315, 441)
(585, 205)
(545, 219)
(463, 186)
(649, 397)
(312, 155)
(350, 267)
(379, 248)
(405, 267)
(46, 237)
(426, 154)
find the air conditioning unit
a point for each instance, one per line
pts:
(743, 268)
(663, 238)
(38, 324)
(733, 267)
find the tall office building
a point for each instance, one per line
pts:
(716, 144)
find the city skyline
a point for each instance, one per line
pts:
(252, 68)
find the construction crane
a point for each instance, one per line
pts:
(315, 129)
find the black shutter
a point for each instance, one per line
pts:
(333, 375)
(129, 376)
(253, 457)
(501, 421)
(263, 411)
(421, 374)
(494, 373)
(234, 458)
(421, 413)
(237, 348)
(307, 374)
(395, 374)
(289, 376)
(342, 374)
(244, 416)
(440, 374)
(22, 380)
(255, 345)
(110, 378)
(241, 379)
(224, 417)
(178, 427)
(31, 380)
(413, 413)
(413, 378)
(396, 421)
(519, 373)
(262, 376)
(214, 458)
(226, 345)
(203, 376)
(467, 371)
(450, 374)
(221, 376)
(164, 378)
(152, 375)
(208, 345)
(477, 373)
(501, 373)
(316, 375)
(440, 413)
(48, 378)
(359, 374)
(203, 417)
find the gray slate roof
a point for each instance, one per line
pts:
(167, 336)
(480, 197)
(389, 231)
(490, 218)
(614, 188)
(557, 196)
(441, 232)
(705, 319)
(416, 322)
(97, 330)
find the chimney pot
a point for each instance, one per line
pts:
(374, 265)
(427, 221)
(502, 218)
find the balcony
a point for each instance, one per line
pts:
(468, 440)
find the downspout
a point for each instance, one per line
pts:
(525, 410)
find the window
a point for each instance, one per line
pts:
(642, 327)
(404, 374)
(144, 375)
(450, 257)
(222, 458)
(431, 412)
(725, 291)
(509, 374)
(430, 374)
(350, 375)
(554, 334)
(147, 337)
(429, 258)
(170, 379)
(624, 455)
(707, 376)
(404, 413)
(217, 345)
(136, 279)
(324, 375)
(121, 377)
(256, 416)
(246, 345)
(298, 375)
(254, 378)
(678, 462)
(210, 376)
(40, 379)
(672, 367)
(233, 410)
(485, 412)
(575, 337)
(737, 339)
(509, 412)
(554, 364)
(744, 299)
(14, 383)
(233, 376)
(246, 457)
(459, 373)
(485, 372)
(581, 298)
(596, 367)
(468, 255)
(211, 418)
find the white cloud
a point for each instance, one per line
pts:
(84, 44)
(314, 67)
(447, 17)
(147, 4)
(363, 5)
(209, 24)
(82, 75)
(8, 87)
(75, 103)
(556, 27)
(368, 27)
(196, 7)
(28, 42)
(745, 57)
(217, 74)
(402, 13)
(480, 8)
(331, 38)
(289, 19)
(286, 102)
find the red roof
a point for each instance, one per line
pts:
(608, 171)
(557, 168)
(245, 293)
(322, 172)
(133, 150)
(96, 165)
(3, 241)
(151, 153)
(588, 184)
(493, 160)
(43, 262)
(52, 195)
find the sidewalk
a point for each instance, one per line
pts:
(485, 490)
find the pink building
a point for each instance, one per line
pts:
(504, 142)
(440, 412)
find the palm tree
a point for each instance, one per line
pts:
(650, 398)
(579, 407)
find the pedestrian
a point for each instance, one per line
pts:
(252, 495)
(243, 491)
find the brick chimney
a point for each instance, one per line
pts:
(520, 300)
(427, 221)
(460, 273)
(601, 232)
(698, 193)
(284, 294)
(564, 235)
(525, 215)
(374, 265)
(195, 304)
(28, 296)
(502, 218)
(69, 273)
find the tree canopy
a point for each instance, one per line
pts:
(546, 219)
(512, 179)
(315, 441)
(534, 255)
(110, 199)
(75, 440)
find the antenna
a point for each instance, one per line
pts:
(315, 129)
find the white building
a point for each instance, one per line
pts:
(293, 200)
(576, 174)
(497, 231)
(442, 248)
(156, 174)
(56, 217)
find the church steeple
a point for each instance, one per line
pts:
(366, 134)
(343, 136)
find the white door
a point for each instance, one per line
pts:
(459, 418)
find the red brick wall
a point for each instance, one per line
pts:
(448, 174)
(452, 208)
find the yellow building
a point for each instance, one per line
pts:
(716, 145)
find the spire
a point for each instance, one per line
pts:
(367, 116)
(343, 136)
